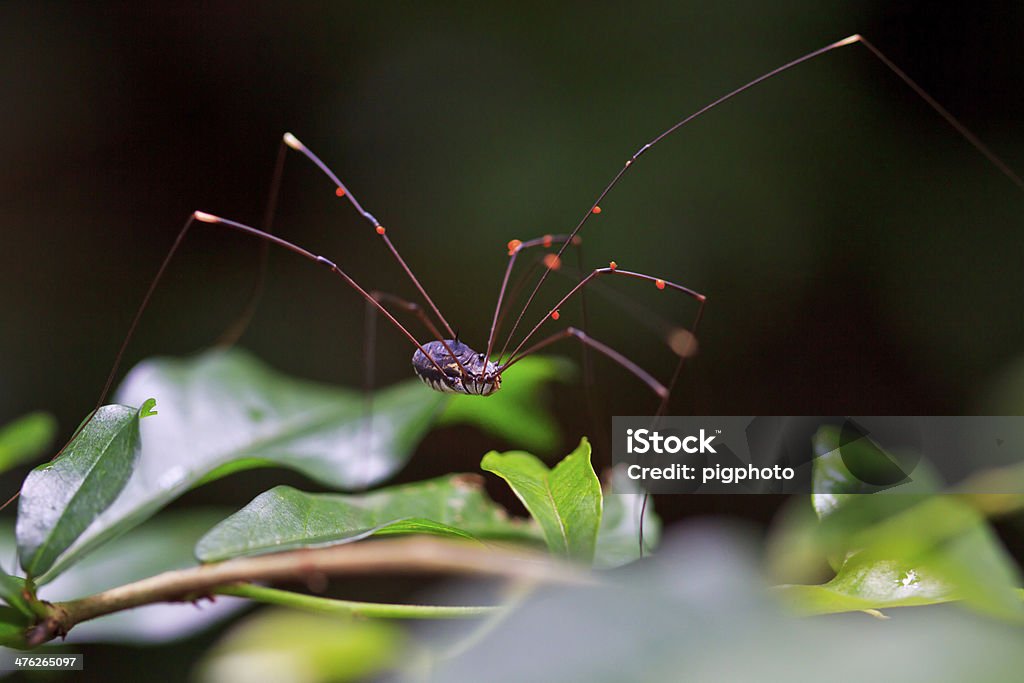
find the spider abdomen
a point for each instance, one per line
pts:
(463, 371)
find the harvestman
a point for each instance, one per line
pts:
(446, 363)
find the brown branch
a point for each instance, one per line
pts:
(399, 556)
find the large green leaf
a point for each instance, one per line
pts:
(223, 408)
(697, 612)
(618, 540)
(566, 500)
(61, 498)
(223, 411)
(899, 547)
(284, 518)
(25, 438)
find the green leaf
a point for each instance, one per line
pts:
(618, 540)
(223, 411)
(921, 551)
(12, 628)
(12, 590)
(834, 484)
(25, 438)
(566, 501)
(863, 585)
(696, 611)
(61, 498)
(516, 412)
(285, 518)
(282, 645)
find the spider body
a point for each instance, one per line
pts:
(443, 371)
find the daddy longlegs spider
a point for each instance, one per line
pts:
(446, 363)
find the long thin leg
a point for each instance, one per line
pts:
(407, 306)
(515, 247)
(678, 339)
(641, 374)
(960, 128)
(331, 265)
(370, 352)
(612, 269)
(342, 191)
(662, 407)
(237, 328)
(124, 344)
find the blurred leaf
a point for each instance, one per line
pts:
(868, 585)
(565, 501)
(618, 540)
(224, 407)
(833, 483)
(285, 518)
(698, 610)
(278, 645)
(59, 499)
(12, 628)
(516, 412)
(25, 438)
(223, 411)
(12, 591)
(922, 551)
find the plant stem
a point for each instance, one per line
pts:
(416, 555)
(377, 610)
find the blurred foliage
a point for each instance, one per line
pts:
(700, 610)
(25, 438)
(859, 258)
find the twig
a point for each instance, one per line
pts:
(403, 556)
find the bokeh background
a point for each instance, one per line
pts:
(859, 257)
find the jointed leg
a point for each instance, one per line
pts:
(644, 376)
(612, 269)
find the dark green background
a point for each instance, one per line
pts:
(859, 257)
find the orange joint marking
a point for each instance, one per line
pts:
(555, 315)
(577, 240)
(660, 284)
(513, 246)
(552, 261)
(205, 217)
(547, 240)
(613, 265)
(340, 192)
(381, 230)
(596, 209)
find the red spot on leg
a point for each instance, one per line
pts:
(552, 261)
(596, 209)
(381, 230)
(660, 284)
(513, 246)
(555, 315)
(613, 265)
(547, 240)
(340, 192)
